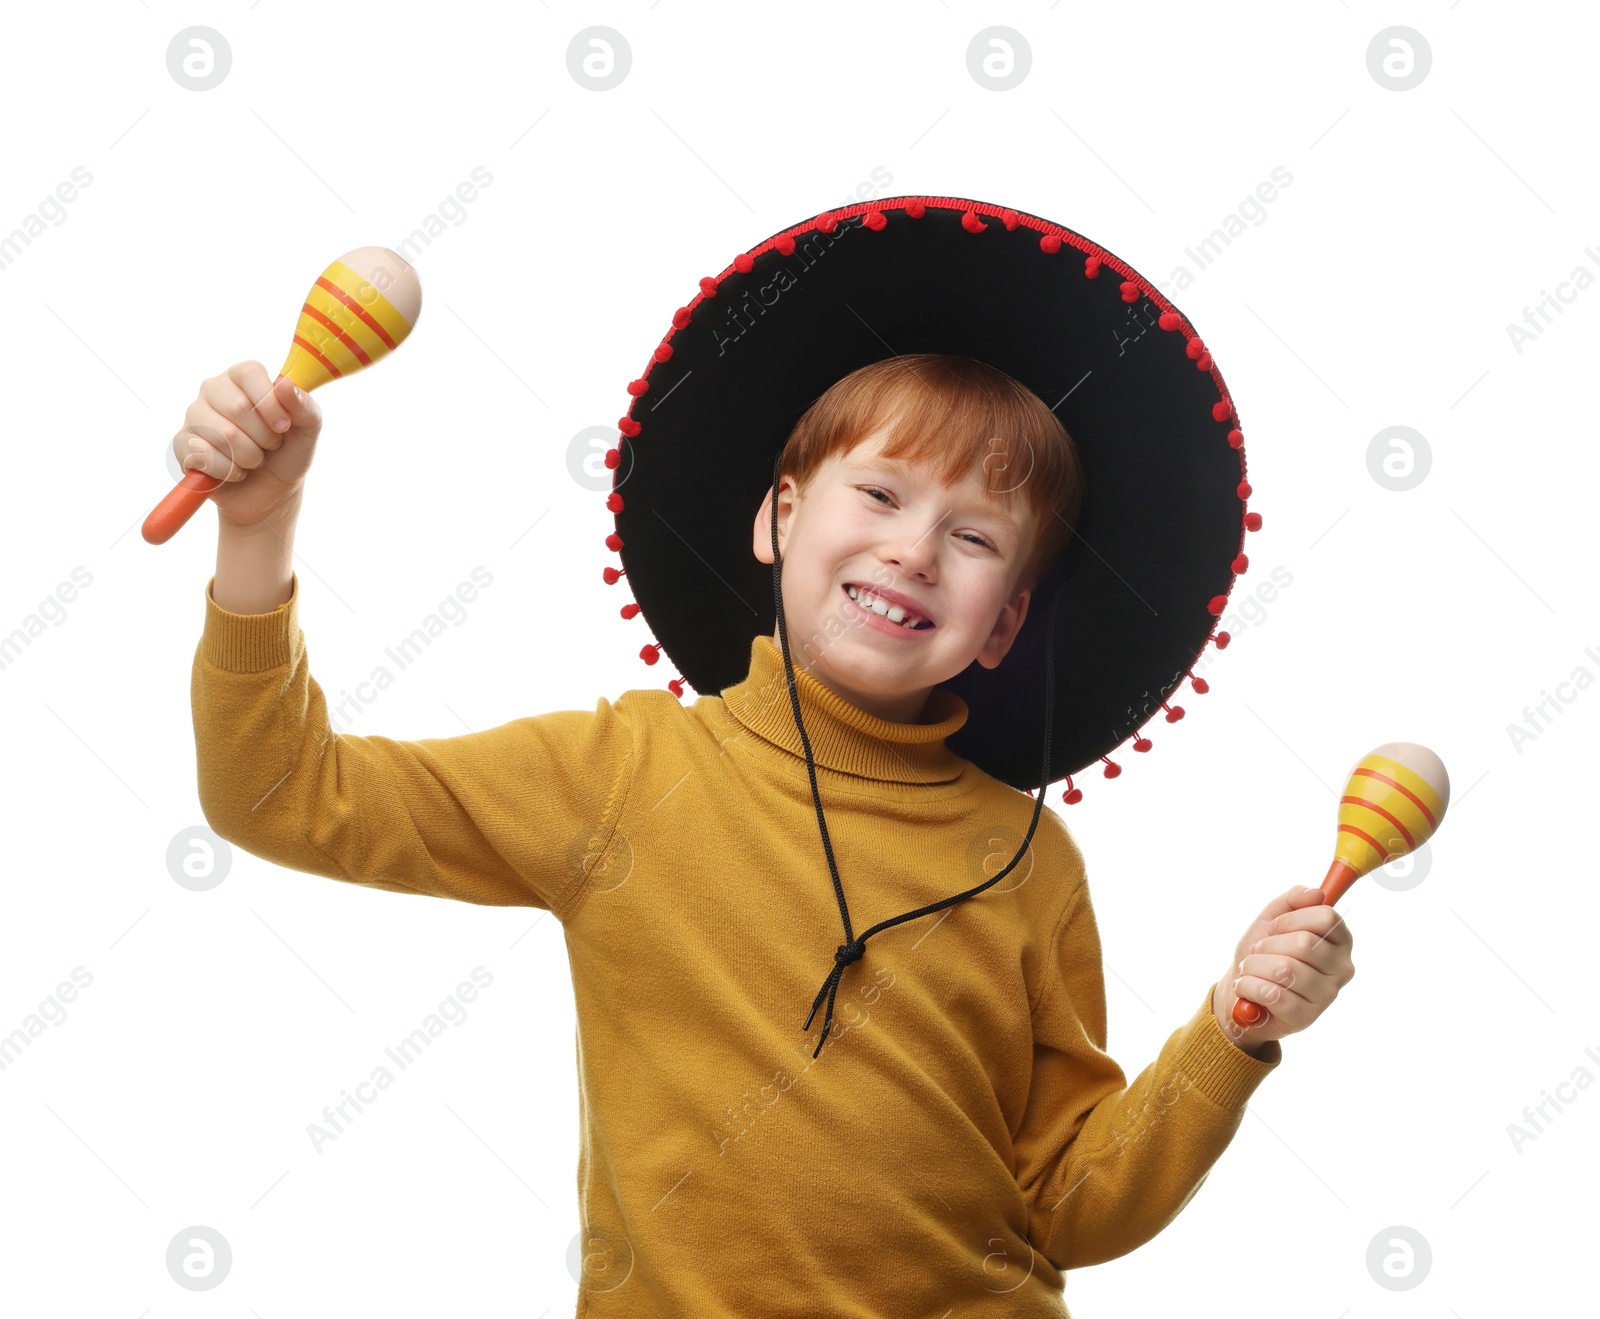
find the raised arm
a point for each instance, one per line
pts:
(516, 815)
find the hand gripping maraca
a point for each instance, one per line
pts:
(362, 306)
(1394, 800)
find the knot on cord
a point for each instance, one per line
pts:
(846, 954)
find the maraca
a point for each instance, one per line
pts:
(362, 306)
(1392, 803)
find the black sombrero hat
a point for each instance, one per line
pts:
(1160, 536)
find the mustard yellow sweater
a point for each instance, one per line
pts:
(961, 1139)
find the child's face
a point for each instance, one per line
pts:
(866, 522)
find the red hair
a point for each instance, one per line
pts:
(956, 416)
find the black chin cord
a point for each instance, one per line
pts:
(853, 949)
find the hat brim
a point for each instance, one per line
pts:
(1163, 518)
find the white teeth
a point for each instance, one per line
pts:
(894, 613)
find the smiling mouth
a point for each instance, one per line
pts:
(883, 609)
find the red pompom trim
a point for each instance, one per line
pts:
(1222, 410)
(1130, 291)
(1170, 320)
(744, 263)
(1241, 564)
(971, 223)
(916, 210)
(639, 386)
(613, 541)
(875, 220)
(614, 502)
(1091, 267)
(1244, 490)
(628, 426)
(663, 352)
(650, 654)
(680, 318)
(708, 286)
(1235, 439)
(1201, 685)
(1222, 639)
(1217, 605)
(629, 611)
(785, 246)
(1143, 744)
(1252, 521)
(613, 458)
(1050, 243)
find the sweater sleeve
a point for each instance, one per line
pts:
(1104, 1165)
(515, 815)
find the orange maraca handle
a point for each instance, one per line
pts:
(178, 506)
(1339, 878)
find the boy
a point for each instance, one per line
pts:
(958, 1137)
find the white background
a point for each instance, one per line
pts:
(1376, 291)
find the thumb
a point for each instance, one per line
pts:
(296, 402)
(1299, 896)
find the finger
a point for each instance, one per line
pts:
(1300, 949)
(224, 418)
(1323, 921)
(1286, 1005)
(1290, 900)
(1310, 982)
(302, 409)
(227, 453)
(196, 454)
(1304, 946)
(236, 403)
(267, 397)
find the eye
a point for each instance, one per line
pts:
(973, 537)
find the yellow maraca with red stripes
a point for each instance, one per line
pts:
(1394, 800)
(360, 309)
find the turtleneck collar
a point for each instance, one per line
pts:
(844, 737)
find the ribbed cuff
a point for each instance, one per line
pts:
(1219, 1068)
(250, 643)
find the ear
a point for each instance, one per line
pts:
(761, 532)
(1005, 630)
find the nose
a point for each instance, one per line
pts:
(914, 546)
